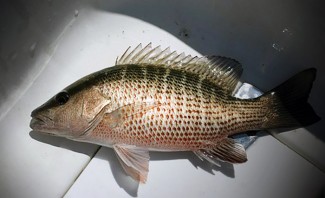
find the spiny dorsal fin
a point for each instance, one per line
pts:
(225, 72)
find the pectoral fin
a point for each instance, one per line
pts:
(127, 112)
(227, 150)
(117, 117)
(134, 160)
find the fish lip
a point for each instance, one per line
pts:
(36, 122)
(40, 121)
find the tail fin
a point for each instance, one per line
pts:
(288, 106)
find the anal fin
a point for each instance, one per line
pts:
(227, 150)
(134, 160)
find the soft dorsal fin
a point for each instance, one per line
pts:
(225, 72)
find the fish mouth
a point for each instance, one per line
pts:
(37, 124)
(40, 123)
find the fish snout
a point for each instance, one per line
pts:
(40, 120)
(35, 123)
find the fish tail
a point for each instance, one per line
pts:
(287, 103)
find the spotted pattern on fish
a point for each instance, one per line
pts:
(188, 113)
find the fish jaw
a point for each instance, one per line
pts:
(49, 128)
(36, 123)
(46, 126)
(41, 123)
(45, 121)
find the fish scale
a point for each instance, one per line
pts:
(191, 113)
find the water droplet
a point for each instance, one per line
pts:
(32, 49)
(185, 33)
(76, 13)
(277, 47)
(287, 31)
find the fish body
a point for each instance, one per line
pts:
(159, 100)
(168, 109)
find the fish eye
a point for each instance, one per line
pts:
(62, 97)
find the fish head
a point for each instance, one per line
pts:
(70, 113)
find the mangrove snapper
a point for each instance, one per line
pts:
(158, 100)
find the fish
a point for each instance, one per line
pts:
(155, 99)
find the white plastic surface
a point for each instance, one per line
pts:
(272, 170)
(47, 45)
